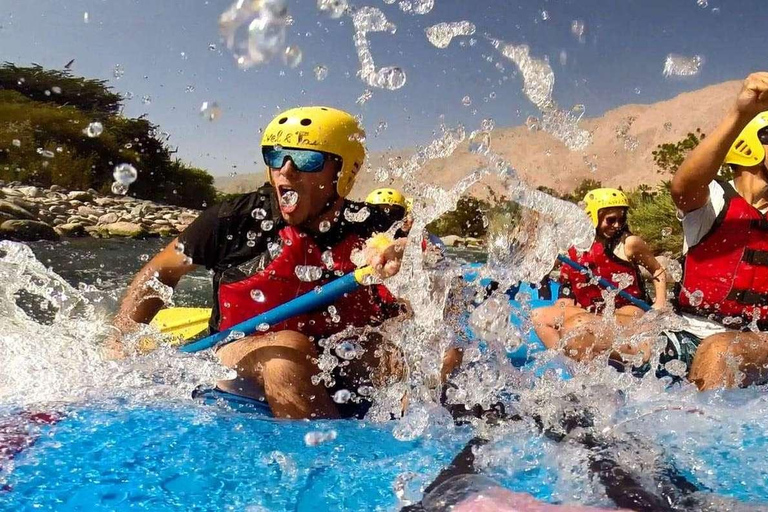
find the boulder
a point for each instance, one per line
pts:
(164, 231)
(27, 230)
(23, 203)
(108, 218)
(70, 230)
(104, 201)
(17, 212)
(89, 210)
(80, 195)
(125, 229)
(58, 208)
(4, 217)
(187, 218)
(57, 188)
(30, 191)
(450, 240)
(141, 210)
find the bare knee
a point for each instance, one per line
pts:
(266, 348)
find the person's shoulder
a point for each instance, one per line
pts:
(633, 244)
(245, 204)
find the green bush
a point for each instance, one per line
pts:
(42, 140)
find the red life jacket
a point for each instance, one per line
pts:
(605, 265)
(278, 284)
(729, 265)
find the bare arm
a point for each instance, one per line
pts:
(138, 306)
(690, 185)
(639, 253)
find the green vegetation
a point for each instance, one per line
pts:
(43, 116)
(653, 215)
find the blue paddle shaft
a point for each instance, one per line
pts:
(604, 282)
(315, 299)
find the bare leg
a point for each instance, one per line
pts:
(548, 322)
(730, 359)
(281, 363)
(451, 361)
(587, 335)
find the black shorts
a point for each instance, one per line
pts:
(681, 346)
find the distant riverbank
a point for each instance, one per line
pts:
(29, 213)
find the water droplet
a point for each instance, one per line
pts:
(334, 8)
(189, 88)
(487, 125)
(86, 17)
(56, 89)
(257, 295)
(347, 350)
(146, 99)
(263, 327)
(363, 98)
(125, 174)
(668, 126)
(679, 65)
(179, 248)
(357, 215)
(342, 396)
(702, 3)
(267, 225)
(119, 189)
(466, 101)
(324, 226)
(666, 232)
(274, 249)
(577, 29)
(327, 259)
(533, 124)
(45, 153)
(292, 56)
(259, 214)
(94, 129)
(210, 110)
(696, 298)
(289, 198)
(16, 142)
(440, 35)
(545, 15)
(118, 72)
(212, 47)
(321, 72)
(390, 77)
(317, 437)
(480, 142)
(308, 273)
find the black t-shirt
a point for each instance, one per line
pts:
(233, 238)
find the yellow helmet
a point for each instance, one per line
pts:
(747, 150)
(600, 198)
(321, 129)
(387, 196)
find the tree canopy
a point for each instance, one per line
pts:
(43, 118)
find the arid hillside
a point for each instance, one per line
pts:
(620, 153)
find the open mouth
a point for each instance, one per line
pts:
(289, 198)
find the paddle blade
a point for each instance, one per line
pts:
(182, 323)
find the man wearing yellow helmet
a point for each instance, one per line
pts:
(616, 251)
(270, 246)
(724, 292)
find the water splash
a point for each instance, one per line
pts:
(440, 35)
(679, 65)
(254, 30)
(370, 19)
(538, 84)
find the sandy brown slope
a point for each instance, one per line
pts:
(620, 153)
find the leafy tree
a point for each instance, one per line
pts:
(42, 139)
(467, 219)
(581, 190)
(653, 217)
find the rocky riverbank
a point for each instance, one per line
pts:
(29, 213)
